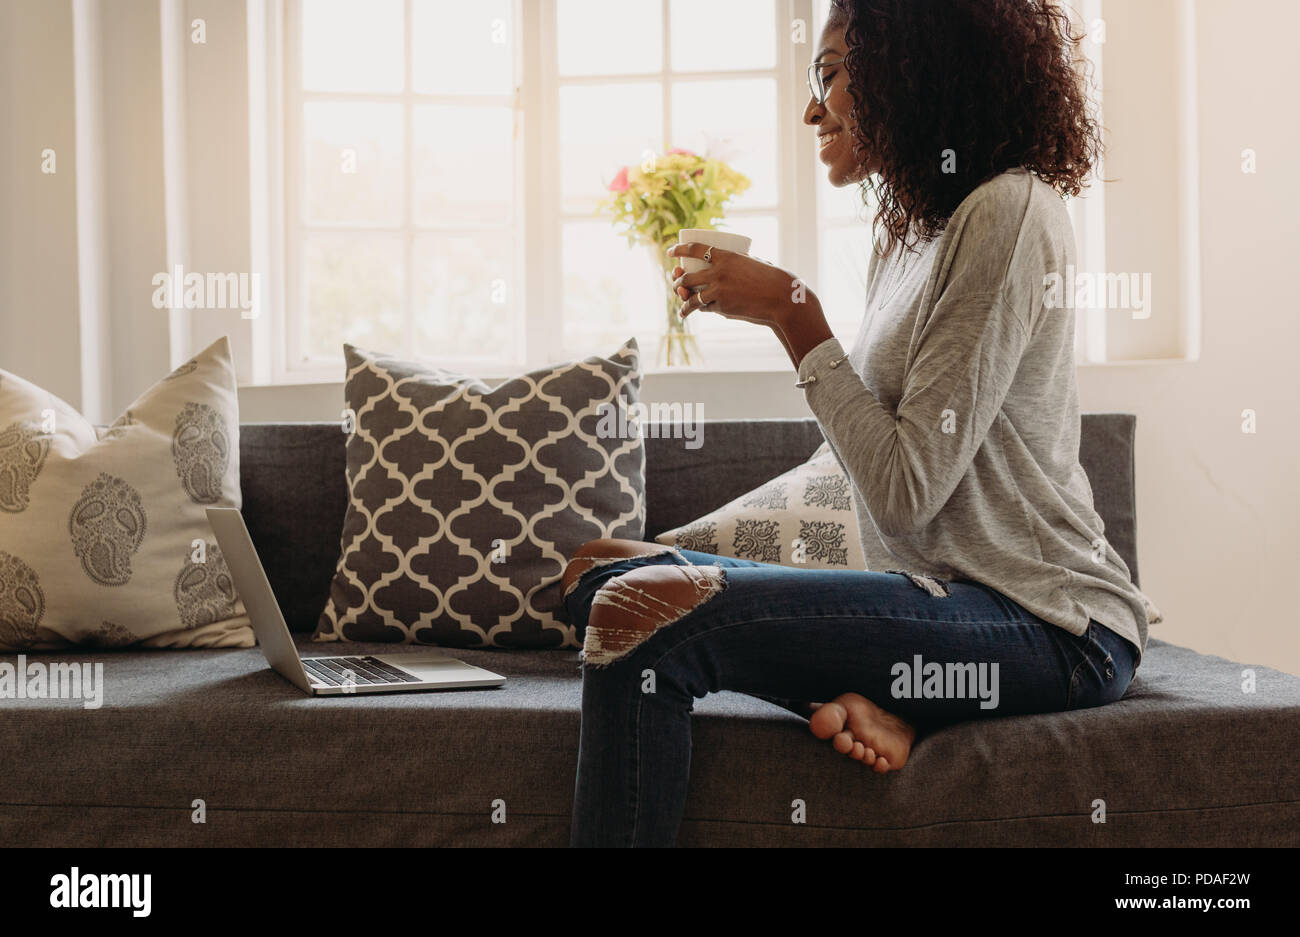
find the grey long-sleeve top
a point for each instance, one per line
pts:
(956, 415)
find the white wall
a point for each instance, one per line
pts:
(41, 327)
(1217, 509)
(39, 336)
(1218, 538)
(132, 162)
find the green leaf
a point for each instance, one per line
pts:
(686, 209)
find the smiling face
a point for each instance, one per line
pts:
(834, 119)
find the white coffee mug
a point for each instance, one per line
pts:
(737, 243)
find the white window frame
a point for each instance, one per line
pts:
(1088, 213)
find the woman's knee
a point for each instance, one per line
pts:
(628, 609)
(603, 551)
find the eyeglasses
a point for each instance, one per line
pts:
(816, 84)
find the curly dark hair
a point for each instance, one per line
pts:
(996, 82)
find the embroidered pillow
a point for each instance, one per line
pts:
(465, 503)
(802, 518)
(103, 536)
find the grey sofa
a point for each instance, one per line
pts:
(1185, 759)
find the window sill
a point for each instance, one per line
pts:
(1182, 359)
(739, 369)
(657, 371)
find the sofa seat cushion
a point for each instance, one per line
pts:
(1186, 758)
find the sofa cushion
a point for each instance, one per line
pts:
(103, 536)
(423, 769)
(804, 517)
(466, 503)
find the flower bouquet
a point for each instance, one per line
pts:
(651, 202)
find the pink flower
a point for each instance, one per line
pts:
(620, 181)
(675, 152)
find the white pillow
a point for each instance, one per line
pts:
(103, 536)
(803, 518)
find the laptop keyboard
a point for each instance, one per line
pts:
(357, 671)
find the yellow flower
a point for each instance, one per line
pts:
(682, 190)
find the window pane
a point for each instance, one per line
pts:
(736, 122)
(352, 292)
(353, 156)
(464, 164)
(603, 128)
(611, 292)
(597, 37)
(462, 48)
(351, 46)
(713, 35)
(465, 303)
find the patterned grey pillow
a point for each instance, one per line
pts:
(802, 518)
(104, 539)
(466, 502)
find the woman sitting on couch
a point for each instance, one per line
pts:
(955, 413)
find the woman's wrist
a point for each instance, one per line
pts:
(804, 327)
(776, 330)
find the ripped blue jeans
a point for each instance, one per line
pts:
(791, 635)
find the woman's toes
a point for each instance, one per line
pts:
(851, 718)
(828, 720)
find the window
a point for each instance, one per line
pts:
(443, 161)
(665, 81)
(402, 181)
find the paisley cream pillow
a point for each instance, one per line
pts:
(802, 518)
(104, 540)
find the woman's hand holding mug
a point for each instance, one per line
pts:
(737, 286)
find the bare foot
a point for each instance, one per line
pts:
(862, 730)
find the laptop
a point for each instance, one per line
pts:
(329, 676)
